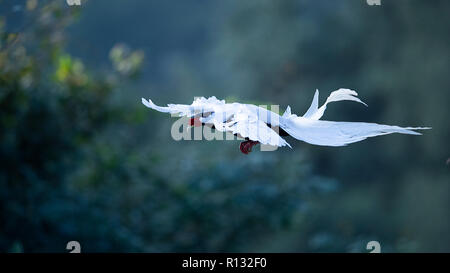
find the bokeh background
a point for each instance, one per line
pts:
(82, 159)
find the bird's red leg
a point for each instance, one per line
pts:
(247, 146)
(251, 144)
(243, 146)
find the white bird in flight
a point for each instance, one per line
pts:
(258, 125)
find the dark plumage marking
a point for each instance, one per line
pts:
(281, 132)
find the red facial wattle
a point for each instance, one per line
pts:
(195, 122)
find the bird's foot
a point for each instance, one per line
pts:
(246, 146)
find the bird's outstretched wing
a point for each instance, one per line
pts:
(199, 106)
(248, 125)
(314, 112)
(241, 119)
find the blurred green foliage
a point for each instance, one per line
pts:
(82, 159)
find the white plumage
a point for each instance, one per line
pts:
(260, 125)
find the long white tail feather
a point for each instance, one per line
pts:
(336, 133)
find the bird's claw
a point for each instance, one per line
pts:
(246, 146)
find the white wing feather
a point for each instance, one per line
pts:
(255, 130)
(200, 105)
(313, 108)
(339, 95)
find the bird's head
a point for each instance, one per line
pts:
(195, 122)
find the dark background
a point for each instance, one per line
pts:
(82, 159)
